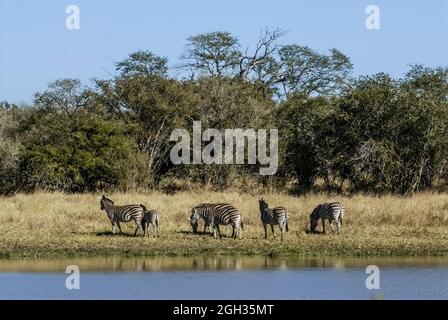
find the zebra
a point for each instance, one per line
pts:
(333, 212)
(215, 215)
(126, 213)
(272, 217)
(150, 217)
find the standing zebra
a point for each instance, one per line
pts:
(215, 215)
(333, 212)
(150, 217)
(117, 214)
(272, 217)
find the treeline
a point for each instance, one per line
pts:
(336, 132)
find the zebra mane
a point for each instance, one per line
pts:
(107, 199)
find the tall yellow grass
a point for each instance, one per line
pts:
(57, 224)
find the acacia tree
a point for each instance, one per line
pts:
(285, 69)
(142, 63)
(299, 69)
(214, 54)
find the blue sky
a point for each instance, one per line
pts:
(36, 48)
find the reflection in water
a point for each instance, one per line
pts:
(238, 278)
(139, 264)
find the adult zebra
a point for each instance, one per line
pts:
(150, 217)
(278, 215)
(126, 213)
(333, 212)
(215, 215)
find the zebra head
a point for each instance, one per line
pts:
(104, 200)
(314, 220)
(263, 205)
(194, 220)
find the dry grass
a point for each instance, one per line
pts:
(55, 224)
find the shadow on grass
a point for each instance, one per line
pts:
(110, 234)
(201, 234)
(316, 232)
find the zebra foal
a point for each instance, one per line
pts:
(275, 216)
(150, 217)
(215, 215)
(333, 212)
(126, 213)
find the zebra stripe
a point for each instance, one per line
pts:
(117, 214)
(333, 212)
(150, 217)
(275, 216)
(215, 215)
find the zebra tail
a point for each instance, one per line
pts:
(287, 227)
(242, 224)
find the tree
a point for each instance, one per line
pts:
(151, 107)
(63, 96)
(64, 146)
(304, 145)
(143, 63)
(214, 54)
(300, 69)
(9, 146)
(257, 66)
(395, 131)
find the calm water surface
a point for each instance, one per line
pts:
(224, 278)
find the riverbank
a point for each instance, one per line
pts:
(61, 225)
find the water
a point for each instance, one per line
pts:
(224, 278)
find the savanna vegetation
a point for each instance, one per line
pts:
(367, 141)
(337, 133)
(61, 224)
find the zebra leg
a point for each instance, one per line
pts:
(138, 227)
(234, 232)
(113, 226)
(154, 228)
(338, 226)
(273, 233)
(323, 225)
(282, 231)
(331, 225)
(119, 227)
(145, 227)
(218, 232)
(265, 231)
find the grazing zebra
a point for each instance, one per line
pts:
(215, 215)
(272, 217)
(150, 217)
(333, 212)
(126, 213)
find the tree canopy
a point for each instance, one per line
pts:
(372, 133)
